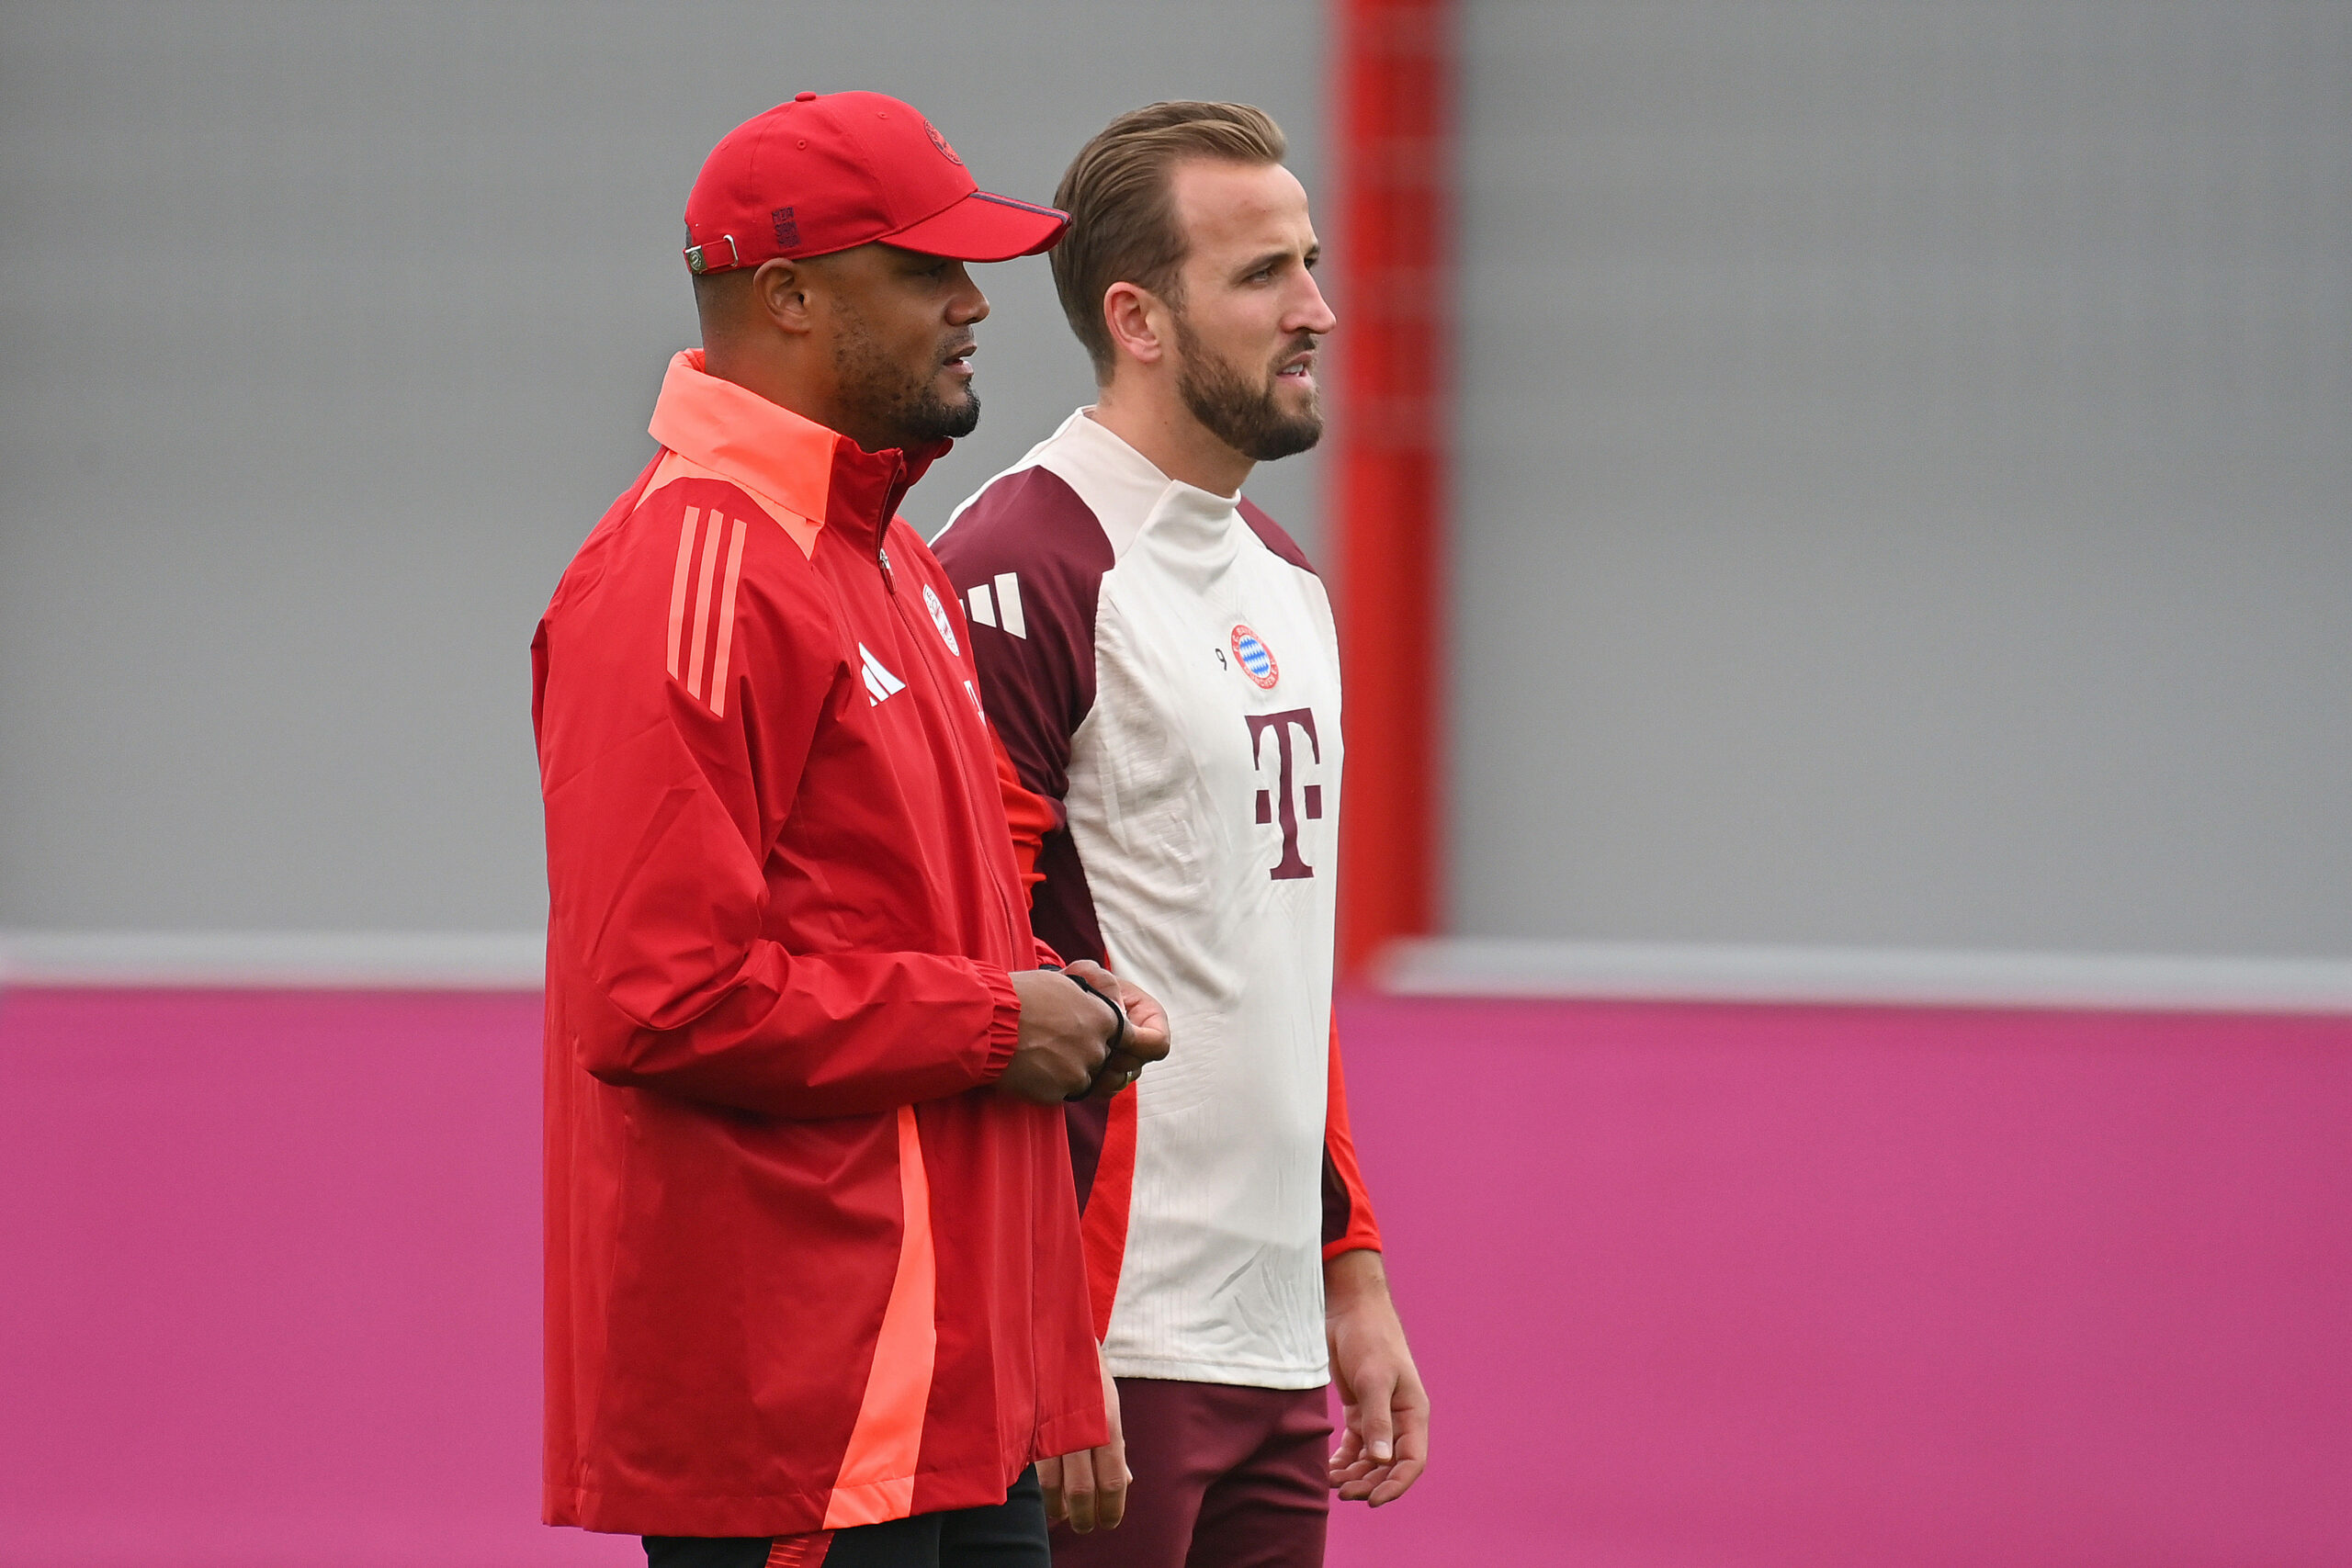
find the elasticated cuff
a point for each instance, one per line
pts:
(1004, 1025)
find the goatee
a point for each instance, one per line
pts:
(893, 397)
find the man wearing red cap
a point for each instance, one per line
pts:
(814, 1288)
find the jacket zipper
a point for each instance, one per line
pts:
(890, 498)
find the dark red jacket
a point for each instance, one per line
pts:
(805, 1268)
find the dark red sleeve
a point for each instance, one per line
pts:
(1028, 815)
(1348, 1223)
(1034, 554)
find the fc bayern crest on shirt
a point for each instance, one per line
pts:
(1257, 659)
(939, 618)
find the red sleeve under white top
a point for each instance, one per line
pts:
(1160, 661)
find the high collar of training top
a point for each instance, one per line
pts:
(1131, 496)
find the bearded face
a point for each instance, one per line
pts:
(1246, 408)
(909, 390)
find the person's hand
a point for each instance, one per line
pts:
(1090, 1487)
(1147, 1036)
(1065, 1035)
(1385, 1408)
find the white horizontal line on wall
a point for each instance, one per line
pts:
(1445, 966)
(1487, 966)
(425, 961)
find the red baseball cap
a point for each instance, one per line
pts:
(824, 173)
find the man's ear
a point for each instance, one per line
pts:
(781, 291)
(1138, 321)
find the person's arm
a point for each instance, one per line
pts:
(1348, 1222)
(1031, 816)
(665, 796)
(1087, 1489)
(1029, 554)
(1385, 1408)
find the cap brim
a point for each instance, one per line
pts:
(984, 228)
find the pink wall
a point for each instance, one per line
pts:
(283, 1305)
(1693, 1285)
(1744, 1286)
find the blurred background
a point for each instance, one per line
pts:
(295, 456)
(1883, 801)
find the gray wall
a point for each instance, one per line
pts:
(326, 332)
(1905, 489)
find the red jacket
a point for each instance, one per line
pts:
(805, 1269)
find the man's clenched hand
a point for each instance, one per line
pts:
(1147, 1039)
(1067, 1034)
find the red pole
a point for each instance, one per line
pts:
(1390, 428)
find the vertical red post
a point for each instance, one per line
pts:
(1395, 284)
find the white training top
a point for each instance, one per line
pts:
(1162, 660)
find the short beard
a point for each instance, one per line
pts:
(887, 396)
(1244, 417)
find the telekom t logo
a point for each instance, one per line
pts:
(1280, 803)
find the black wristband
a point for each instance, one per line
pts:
(1119, 1036)
(1118, 1040)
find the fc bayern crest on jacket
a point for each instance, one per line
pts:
(1257, 659)
(939, 618)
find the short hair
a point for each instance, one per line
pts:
(1123, 217)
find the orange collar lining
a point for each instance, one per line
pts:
(738, 433)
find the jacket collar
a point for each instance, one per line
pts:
(782, 457)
